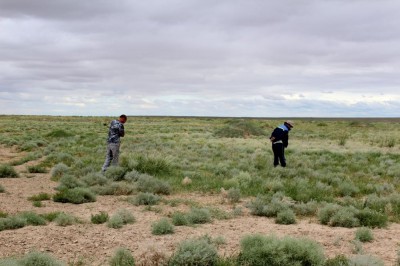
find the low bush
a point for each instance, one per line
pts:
(7, 171)
(162, 227)
(68, 182)
(64, 219)
(12, 222)
(40, 197)
(114, 188)
(122, 257)
(37, 204)
(58, 171)
(153, 165)
(51, 216)
(371, 218)
(3, 214)
(99, 218)
(195, 252)
(147, 199)
(120, 218)
(39, 259)
(36, 169)
(33, 218)
(364, 234)
(76, 195)
(345, 217)
(179, 219)
(199, 216)
(234, 195)
(115, 173)
(339, 260)
(93, 179)
(147, 183)
(306, 209)
(269, 250)
(285, 217)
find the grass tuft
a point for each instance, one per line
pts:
(7, 171)
(100, 218)
(195, 252)
(162, 227)
(122, 257)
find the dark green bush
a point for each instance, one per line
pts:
(100, 218)
(195, 252)
(76, 195)
(147, 183)
(7, 171)
(40, 197)
(162, 227)
(36, 169)
(285, 217)
(122, 257)
(269, 250)
(32, 218)
(39, 259)
(153, 165)
(371, 218)
(12, 222)
(115, 173)
(51, 216)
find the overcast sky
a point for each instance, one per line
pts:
(262, 58)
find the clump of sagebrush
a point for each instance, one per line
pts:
(179, 219)
(162, 227)
(115, 173)
(68, 182)
(153, 165)
(76, 195)
(339, 260)
(306, 209)
(199, 216)
(132, 176)
(39, 259)
(3, 214)
(219, 214)
(347, 189)
(37, 204)
(364, 234)
(58, 171)
(195, 252)
(114, 188)
(12, 222)
(122, 257)
(121, 218)
(2, 189)
(285, 217)
(7, 171)
(33, 218)
(234, 195)
(59, 133)
(65, 219)
(40, 197)
(36, 169)
(60, 157)
(240, 129)
(146, 199)
(51, 216)
(93, 179)
(269, 250)
(262, 206)
(148, 183)
(365, 260)
(100, 218)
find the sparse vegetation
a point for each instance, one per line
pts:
(100, 218)
(40, 197)
(364, 234)
(122, 257)
(64, 219)
(121, 218)
(7, 171)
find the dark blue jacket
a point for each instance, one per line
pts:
(115, 132)
(281, 133)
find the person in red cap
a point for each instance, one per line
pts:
(280, 140)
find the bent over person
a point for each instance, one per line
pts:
(115, 132)
(280, 141)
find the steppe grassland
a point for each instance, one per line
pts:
(341, 172)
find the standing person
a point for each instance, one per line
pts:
(115, 132)
(280, 141)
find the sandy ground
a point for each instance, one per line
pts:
(95, 244)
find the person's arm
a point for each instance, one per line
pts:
(285, 140)
(121, 131)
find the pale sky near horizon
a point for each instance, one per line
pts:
(281, 58)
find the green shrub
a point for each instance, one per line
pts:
(114, 188)
(100, 218)
(345, 217)
(179, 219)
(32, 218)
(199, 216)
(36, 169)
(162, 227)
(269, 250)
(147, 199)
(12, 222)
(64, 219)
(122, 257)
(365, 260)
(147, 183)
(348, 189)
(39, 259)
(76, 195)
(234, 195)
(40, 197)
(115, 173)
(306, 209)
(219, 214)
(325, 214)
(68, 182)
(93, 179)
(153, 165)
(59, 133)
(3, 214)
(37, 204)
(132, 176)
(269, 208)
(194, 252)
(2, 189)
(58, 171)
(339, 260)
(364, 234)
(7, 171)
(51, 216)
(285, 217)
(371, 218)
(120, 218)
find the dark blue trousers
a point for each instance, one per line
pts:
(279, 154)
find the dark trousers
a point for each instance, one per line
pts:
(279, 154)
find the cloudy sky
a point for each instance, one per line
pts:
(262, 58)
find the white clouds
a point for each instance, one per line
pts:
(175, 57)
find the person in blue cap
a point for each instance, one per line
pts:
(280, 140)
